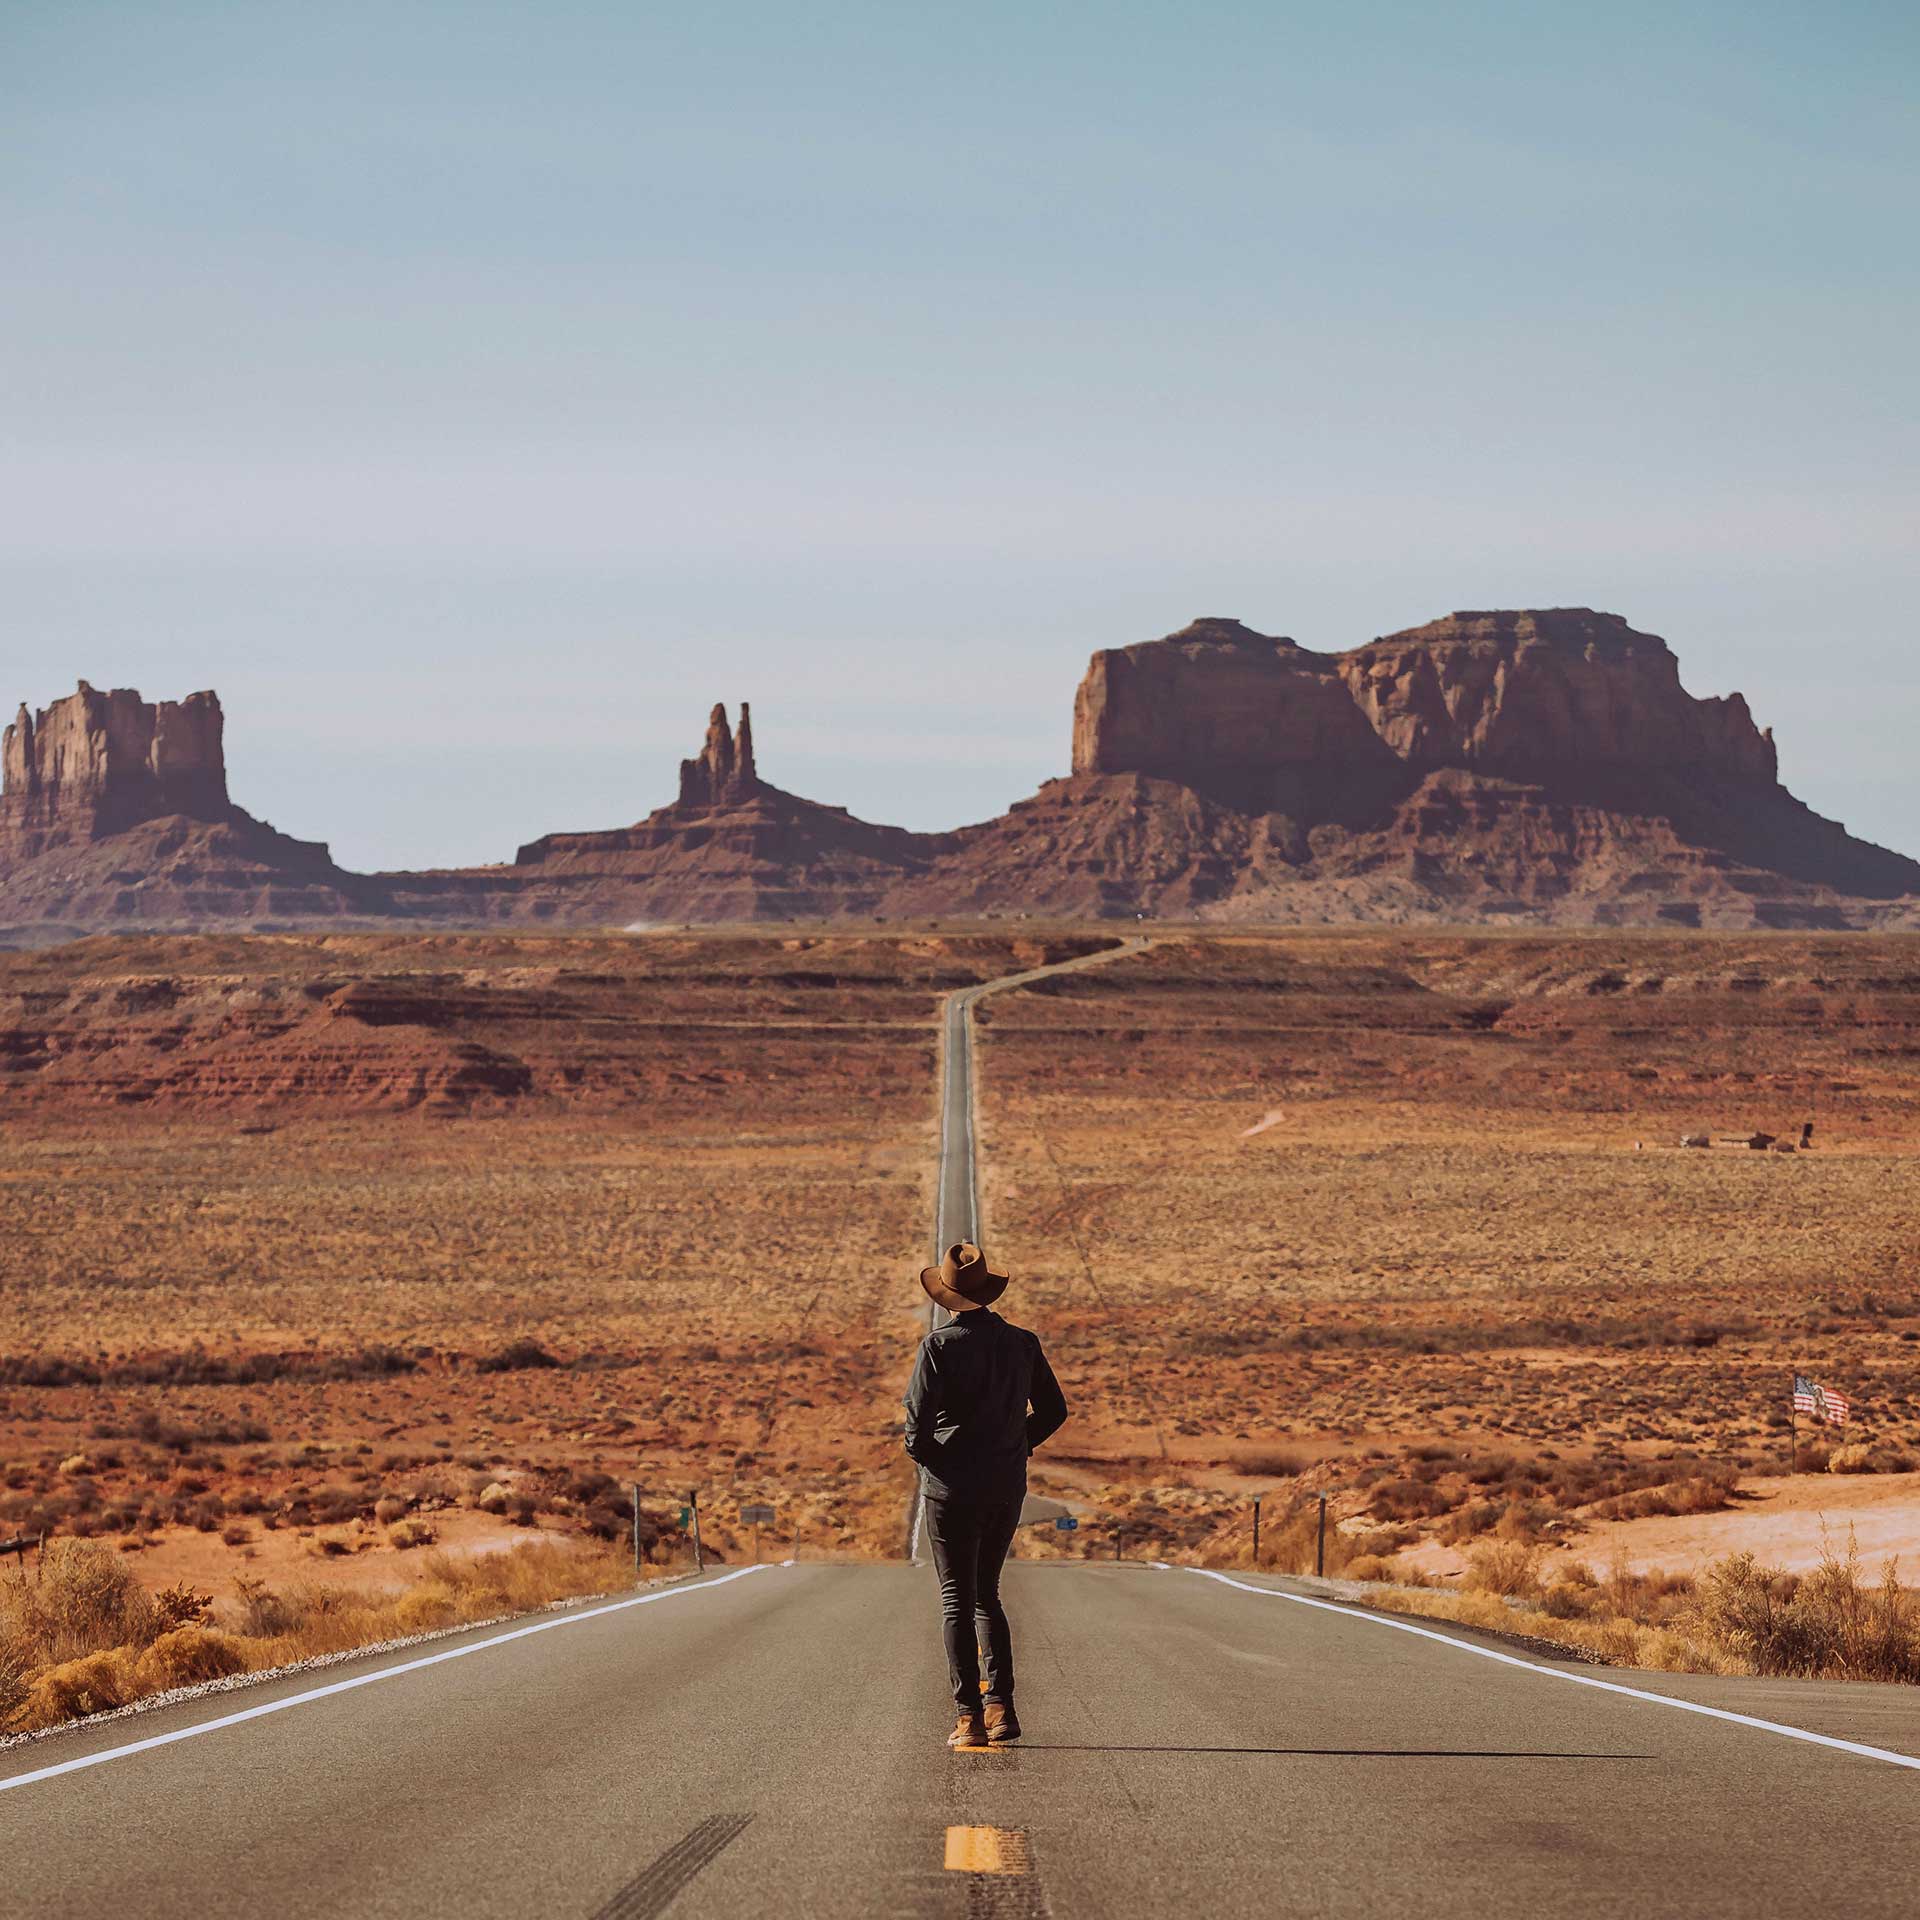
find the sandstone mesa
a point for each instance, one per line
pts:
(1537, 766)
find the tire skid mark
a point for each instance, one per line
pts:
(655, 1889)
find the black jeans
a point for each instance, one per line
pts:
(971, 1533)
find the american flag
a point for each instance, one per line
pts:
(1809, 1396)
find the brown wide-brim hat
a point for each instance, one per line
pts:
(963, 1280)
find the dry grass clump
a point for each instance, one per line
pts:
(1460, 1495)
(1504, 1567)
(1290, 1543)
(1692, 1493)
(1864, 1456)
(1613, 1637)
(86, 1637)
(1388, 1567)
(1632, 1620)
(446, 1591)
(1822, 1625)
(187, 1656)
(1739, 1618)
(13, 1684)
(85, 1598)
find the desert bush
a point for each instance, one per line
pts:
(1574, 1593)
(93, 1683)
(1505, 1567)
(517, 1356)
(1863, 1456)
(88, 1638)
(390, 1507)
(1566, 1601)
(1384, 1567)
(335, 1506)
(157, 1430)
(261, 1612)
(195, 1367)
(1470, 1522)
(1526, 1520)
(13, 1685)
(180, 1606)
(1824, 1624)
(1696, 1493)
(86, 1599)
(610, 1519)
(1272, 1463)
(1499, 1469)
(186, 1656)
(412, 1533)
(1613, 1637)
(1407, 1499)
(424, 1607)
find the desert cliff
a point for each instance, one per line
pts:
(1540, 766)
(114, 811)
(1258, 721)
(97, 763)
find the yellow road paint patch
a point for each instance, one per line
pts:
(987, 1850)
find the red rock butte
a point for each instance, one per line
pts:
(1539, 766)
(1530, 696)
(114, 812)
(96, 763)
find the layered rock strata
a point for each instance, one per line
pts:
(1491, 763)
(1541, 766)
(1260, 722)
(97, 763)
(114, 809)
(731, 847)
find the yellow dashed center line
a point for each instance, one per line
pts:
(987, 1850)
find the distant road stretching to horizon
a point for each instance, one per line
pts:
(768, 1740)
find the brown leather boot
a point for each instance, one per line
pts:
(970, 1732)
(1002, 1723)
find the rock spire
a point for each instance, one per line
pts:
(724, 771)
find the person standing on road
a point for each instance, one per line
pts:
(981, 1399)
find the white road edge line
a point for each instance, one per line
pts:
(1577, 1679)
(367, 1679)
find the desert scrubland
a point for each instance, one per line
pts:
(1405, 1220)
(291, 1228)
(323, 1254)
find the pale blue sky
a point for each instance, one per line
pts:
(474, 394)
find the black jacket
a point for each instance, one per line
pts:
(968, 1424)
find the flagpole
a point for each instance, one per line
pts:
(1793, 1420)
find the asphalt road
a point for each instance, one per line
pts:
(770, 1741)
(957, 1208)
(957, 1199)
